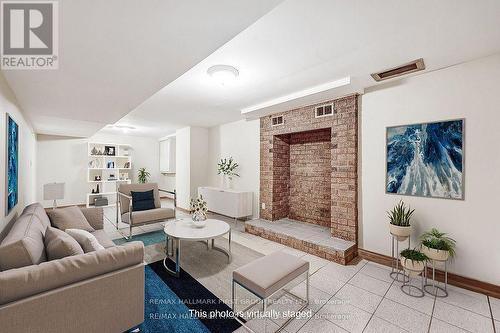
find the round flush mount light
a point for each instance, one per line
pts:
(223, 74)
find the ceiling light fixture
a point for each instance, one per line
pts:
(125, 127)
(223, 74)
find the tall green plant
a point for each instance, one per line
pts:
(400, 215)
(227, 166)
(143, 175)
(438, 240)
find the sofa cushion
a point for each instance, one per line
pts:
(95, 216)
(59, 244)
(87, 241)
(128, 188)
(23, 245)
(157, 214)
(69, 218)
(38, 210)
(103, 238)
(143, 200)
(16, 284)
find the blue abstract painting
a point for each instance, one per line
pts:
(12, 163)
(426, 159)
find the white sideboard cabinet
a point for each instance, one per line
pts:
(232, 203)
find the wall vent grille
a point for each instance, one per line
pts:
(411, 67)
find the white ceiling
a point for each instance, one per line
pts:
(110, 66)
(114, 54)
(304, 43)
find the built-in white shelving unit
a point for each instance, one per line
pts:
(108, 165)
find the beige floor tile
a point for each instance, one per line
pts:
(340, 272)
(317, 297)
(403, 316)
(495, 307)
(370, 284)
(315, 263)
(321, 325)
(468, 300)
(359, 297)
(345, 315)
(462, 318)
(377, 325)
(438, 326)
(326, 283)
(377, 271)
(422, 304)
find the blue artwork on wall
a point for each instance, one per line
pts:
(12, 163)
(426, 159)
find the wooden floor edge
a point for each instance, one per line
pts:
(486, 288)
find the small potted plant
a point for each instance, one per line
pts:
(437, 246)
(198, 208)
(143, 175)
(227, 168)
(399, 217)
(413, 261)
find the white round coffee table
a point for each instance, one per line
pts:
(184, 229)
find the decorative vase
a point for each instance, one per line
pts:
(401, 233)
(412, 267)
(222, 181)
(199, 219)
(434, 254)
(230, 183)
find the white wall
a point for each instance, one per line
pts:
(190, 163)
(27, 154)
(241, 140)
(470, 91)
(64, 159)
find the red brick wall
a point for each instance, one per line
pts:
(310, 177)
(274, 184)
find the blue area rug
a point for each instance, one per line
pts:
(148, 238)
(168, 301)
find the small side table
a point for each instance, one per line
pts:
(397, 274)
(434, 288)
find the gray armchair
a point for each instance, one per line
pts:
(125, 209)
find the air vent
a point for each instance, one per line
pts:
(414, 66)
(324, 110)
(278, 120)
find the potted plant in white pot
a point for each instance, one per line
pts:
(437, 246)
(227, 168)
(413, 261)
(399, 224)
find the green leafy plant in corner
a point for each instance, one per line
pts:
(143, 175)
(400, 215)
(437, 240)
(227, 166)
(413, 255)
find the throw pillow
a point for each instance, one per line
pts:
(69, 218)
(143, 200)
(59, 244)
(87, 241)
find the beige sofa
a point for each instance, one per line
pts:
(100, 291)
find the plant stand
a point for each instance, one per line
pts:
(407, 287)
(433, 288)
(397, 274)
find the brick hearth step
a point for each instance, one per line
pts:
(310, 238)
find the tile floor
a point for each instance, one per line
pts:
(362, 297)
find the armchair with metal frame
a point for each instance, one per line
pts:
(125, 209)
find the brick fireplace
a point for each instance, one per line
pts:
(308, 170)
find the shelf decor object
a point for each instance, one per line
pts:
(105, 162)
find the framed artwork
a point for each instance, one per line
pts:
(426, 159)
(109, 150)
(12, 167)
